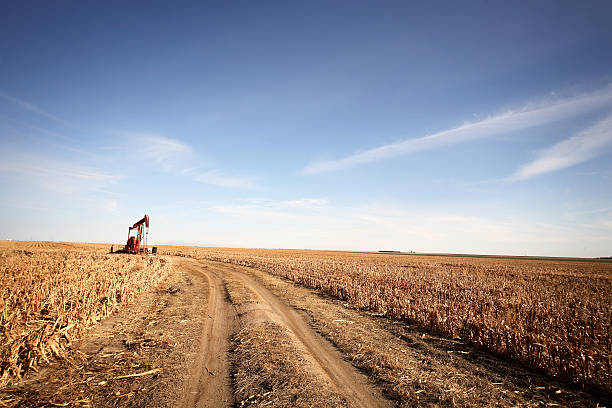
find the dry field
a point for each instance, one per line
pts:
(50, 294)
(217, 327)
(552, 315)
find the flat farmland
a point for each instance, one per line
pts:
(223, 327)
(52, 293)
(554, 315)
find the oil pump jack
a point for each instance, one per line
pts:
(137, 238)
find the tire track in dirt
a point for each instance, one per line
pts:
(348, 381)
(209, 384)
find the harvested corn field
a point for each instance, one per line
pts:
(52, 293)
(552, 315)
(218, 327)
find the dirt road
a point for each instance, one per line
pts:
(193, 342)
(209, 384)
(221, 335)
(210, 379)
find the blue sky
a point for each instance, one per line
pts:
(479, 127)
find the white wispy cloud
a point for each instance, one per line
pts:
(306, 203)
(262, 208)
(177, 157)
(33, 108)
(388, 226)
(577, 149)
(110, 205)
(56, 175)
(254, 212)
(530, 115)
(218, 178)
(162, 150)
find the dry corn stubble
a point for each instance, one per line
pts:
(552, 315)
(51, 293)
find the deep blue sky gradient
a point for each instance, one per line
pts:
(254, 92)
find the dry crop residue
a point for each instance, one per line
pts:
(280, 361)
(552, 315)
(172, 348)
(51, 293)
(421, 369)
(145, 355)
(421, 328)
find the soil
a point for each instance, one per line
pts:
(311, 371)
(218, 335)
(141, 356)
(417, 368)
(209, 383)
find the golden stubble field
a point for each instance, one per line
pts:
(552, 315)
(50, 293)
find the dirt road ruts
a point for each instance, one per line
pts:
(209, 384)
(347, 381)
